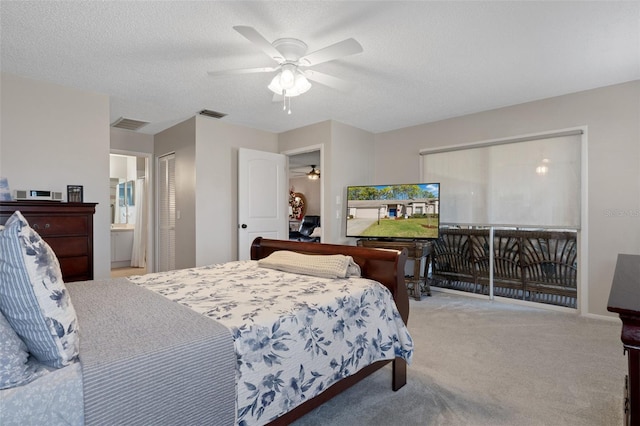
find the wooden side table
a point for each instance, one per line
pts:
(624, 299)
(418, 283)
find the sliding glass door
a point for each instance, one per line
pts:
(510, 217)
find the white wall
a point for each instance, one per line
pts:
(216, 195)
(612, 117)
(53, 136)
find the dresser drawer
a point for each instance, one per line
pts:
(69, 246)
(60, 225)
(75, 268)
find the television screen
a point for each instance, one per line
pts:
(407, 211)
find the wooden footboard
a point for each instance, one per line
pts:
(382, 265)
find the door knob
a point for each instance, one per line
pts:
(244, 226)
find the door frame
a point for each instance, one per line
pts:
(304, 150)
(148, 174)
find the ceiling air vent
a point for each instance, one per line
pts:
(213, 114)
(128, 124)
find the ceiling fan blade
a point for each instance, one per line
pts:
(338, 50)
(256, 38)
(327, 80)
(242, 71)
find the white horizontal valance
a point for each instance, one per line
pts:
(524, 182)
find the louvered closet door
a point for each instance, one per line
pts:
(166, 212)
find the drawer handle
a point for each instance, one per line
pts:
(36, 226)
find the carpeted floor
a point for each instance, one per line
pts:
(479, 362)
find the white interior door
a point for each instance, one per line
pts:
(262, 198)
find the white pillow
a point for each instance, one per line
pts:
(324, 266)
(33, 297)
(317, 232)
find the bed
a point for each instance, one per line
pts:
(143, 358)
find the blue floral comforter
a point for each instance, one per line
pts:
(295, 335)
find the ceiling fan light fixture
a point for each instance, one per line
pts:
(300, 85)
(290, 54)
(288, 77)
(313, 174)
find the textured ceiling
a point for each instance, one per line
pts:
(422, 61)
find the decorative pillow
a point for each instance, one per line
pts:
(33, 297)
(14, 370)
(317, 232)
(324, 266)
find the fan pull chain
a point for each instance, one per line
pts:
(284, 101)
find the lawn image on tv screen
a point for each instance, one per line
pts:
(408, 211)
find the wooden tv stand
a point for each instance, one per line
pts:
(418, 283)
(624, 299)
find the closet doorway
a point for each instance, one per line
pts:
(129, 211)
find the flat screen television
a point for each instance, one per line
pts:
(402, 211)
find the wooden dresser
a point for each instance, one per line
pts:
(624, 299)
(66, 227)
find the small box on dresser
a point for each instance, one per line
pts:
(66, 227)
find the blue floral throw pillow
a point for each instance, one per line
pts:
(14, 369)
(33, 297)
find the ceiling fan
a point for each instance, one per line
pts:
(314, 174)
(293, 63)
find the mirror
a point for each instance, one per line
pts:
(122, 201)
(123, 171)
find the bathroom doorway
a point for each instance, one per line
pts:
(130, 198)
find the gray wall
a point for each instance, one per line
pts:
(70, 145)
(612, 117)
(53, 136)
(127, 140)
(181, 139)
(318, 134)
(352, 159)
(217, 144)
(348, 160)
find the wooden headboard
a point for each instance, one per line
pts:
(382, 265)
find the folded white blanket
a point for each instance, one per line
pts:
(324, 266)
